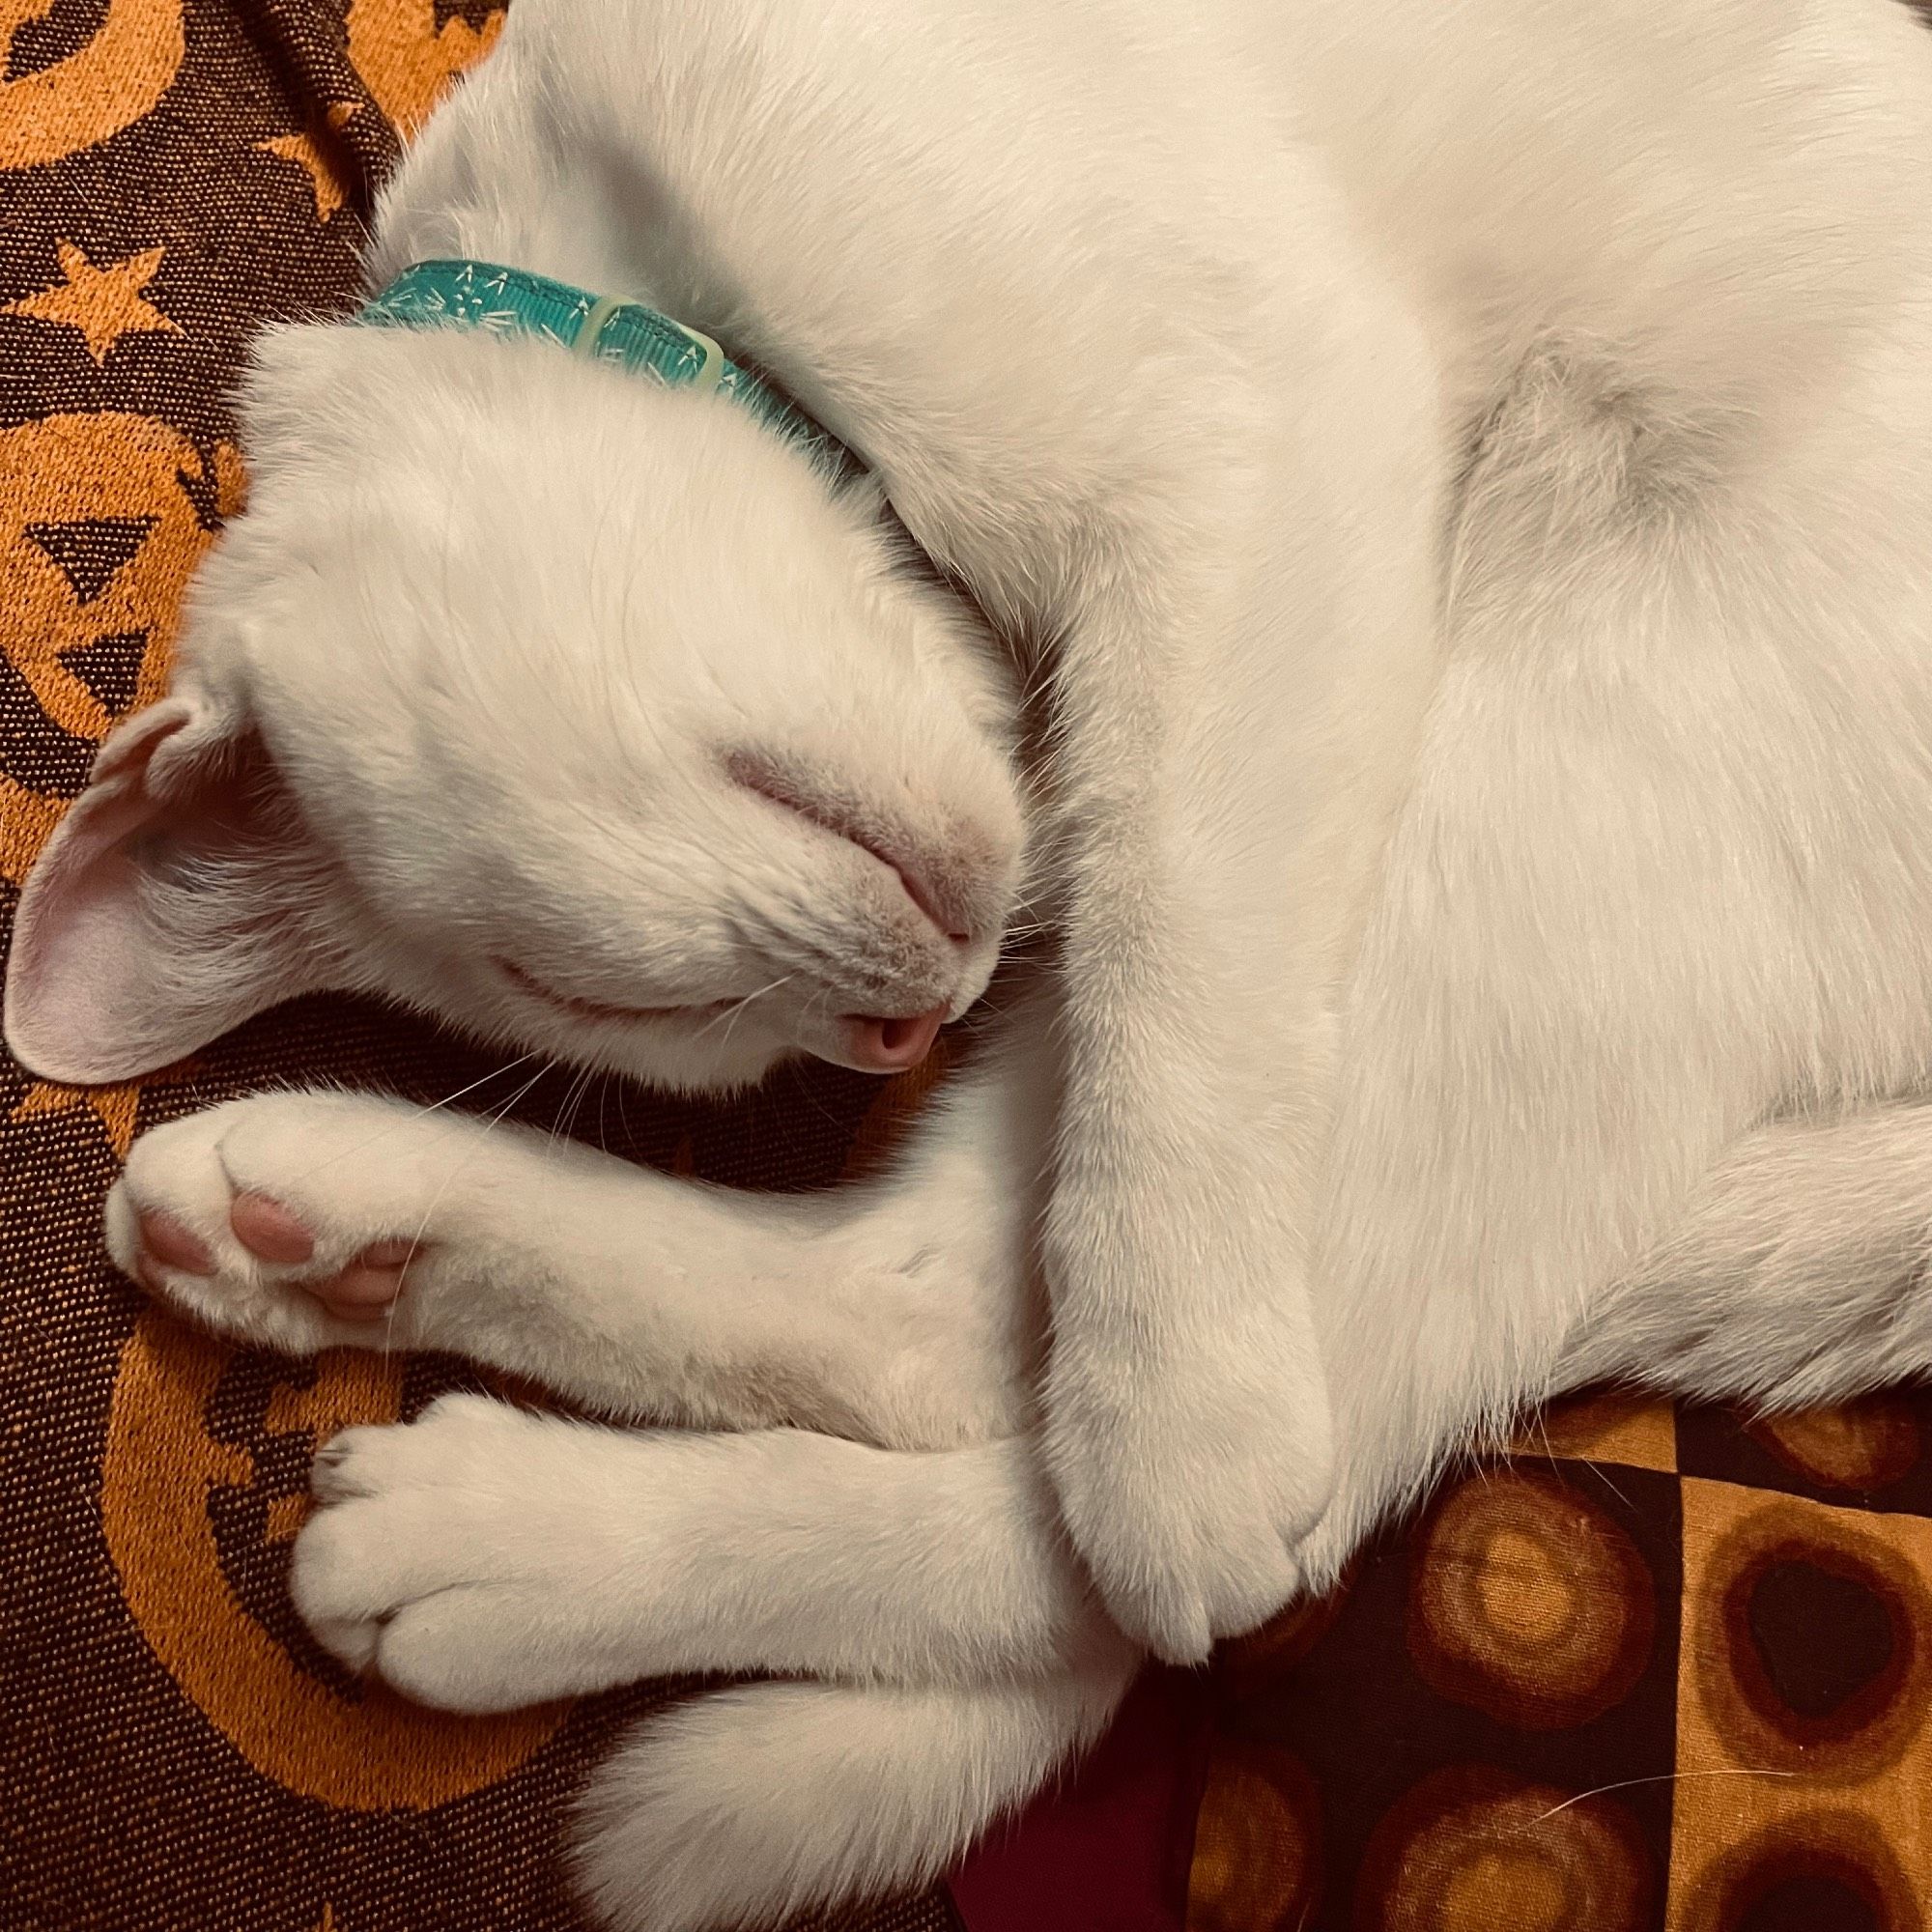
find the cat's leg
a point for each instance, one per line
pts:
(747, 1807)
(484, 1557)
(1236, 719)
(1798, 1275)
(894, 1311)
(1790, 1271)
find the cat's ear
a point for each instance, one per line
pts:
(125, 955)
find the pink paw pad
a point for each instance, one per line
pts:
(269, 1231)
(166, 1240)
(366, 1289)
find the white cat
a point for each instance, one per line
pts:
(1465, 475)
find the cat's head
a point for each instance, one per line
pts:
(577, 711)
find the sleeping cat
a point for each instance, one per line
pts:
(1459, 482)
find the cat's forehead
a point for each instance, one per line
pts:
(584, 591)
(600, 685)
(501, 591)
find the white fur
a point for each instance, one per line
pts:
(1461, 481)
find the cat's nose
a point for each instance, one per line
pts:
(887, 1045)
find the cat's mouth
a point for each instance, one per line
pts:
(867, 1043)
(597, 1010)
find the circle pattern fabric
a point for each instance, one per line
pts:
(1657, 1671)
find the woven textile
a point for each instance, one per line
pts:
(1658, 1671)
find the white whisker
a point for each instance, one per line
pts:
(449, 1179)
(737, 1007)
(1658, 1777)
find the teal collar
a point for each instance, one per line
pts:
(599, 329)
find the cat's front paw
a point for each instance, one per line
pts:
(457, 1558)
(1187, 1500)
(285, 1220)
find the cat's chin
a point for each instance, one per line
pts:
(700, 1070)
(716, 1076)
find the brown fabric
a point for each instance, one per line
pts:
(174, 1751)
(1661, 1670)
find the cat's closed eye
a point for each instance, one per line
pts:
(939, 882)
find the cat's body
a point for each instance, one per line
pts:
(1472, 471)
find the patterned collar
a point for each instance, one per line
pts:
(599, 329)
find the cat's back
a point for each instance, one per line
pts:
(1711, 181)
(1709, 185)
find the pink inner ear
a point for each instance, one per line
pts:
(90, 979)
(77, 919)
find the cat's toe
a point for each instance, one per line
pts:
(365, 1290)
(269, 1230)
(168, 1242)
(340, 1584)
(374, 1544)
(434, 1565)
(473, 1648)
(168, 1213)
(351, 1463)
(272, 1233)
(166, 1225)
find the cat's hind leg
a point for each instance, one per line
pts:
(1797, 1274)
(741, 1808)
(1661, 871)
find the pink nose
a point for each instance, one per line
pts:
(891, 1046)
